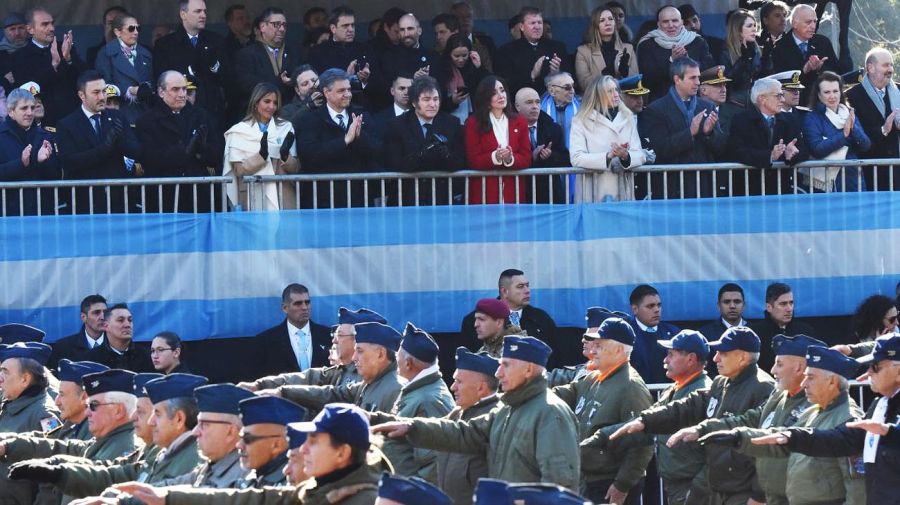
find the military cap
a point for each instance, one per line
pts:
(112, 91)
(410, 491)
(17, 332)
(789, 79)
(110, 380)
(853, 77)
(596, 315)
(491, 492)
(795, 345)
(191, 86)
(688, 341)
(220, 398)
(477, 362)
(492, 307)
(142, 379)
(270, 410)
(13, 18)
(737, 337)
(633, 85)
(544, 494)
(886, 348)
(419, 344)
(831, 360)
(74, 371)
(614, 328)
(345, 422)
(347, 316)
(174, 385)
(32, 87)
(31, 350)
(526, 348)
(378, 333)
(295, 437)
(714, 75)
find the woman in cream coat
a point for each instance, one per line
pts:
(261, 144)
(605, 138)
(603, 52)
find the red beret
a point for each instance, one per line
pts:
(492, 307)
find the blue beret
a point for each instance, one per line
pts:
(345, 422)
(378, 333)
(270, 410)
(737, 337)
(73, 371)
(142, 379)
(596, 315)
(885, 348)
(295, 436)
(410, 491)
(220, 398)
(480, 362)
(107, 381)
(492, 492)
(31, 350)
(347, 316)
(174, 385)
(544, 494)
(614, 328)
(18, 332)
(526, 349)
(633, 85)
(831, 360)
(688, 341)
(419, 344)
(796, 345)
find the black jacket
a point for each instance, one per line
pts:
(399, 60)
(253, 66)
(515, 60)
(534, 321)
(766, 329)
(882, 147)
(31, 63)
(547, 132)
(175, 52)
(331, 54)
(73, 347)
(277, 355)
(750, 143)
(786, 55)
(13, 140)
(136, 358)
(653, 62)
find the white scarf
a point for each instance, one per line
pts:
(241, 142)
(684, 38)
(823, 178)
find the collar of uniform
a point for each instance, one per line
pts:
(21, 403)
(491, 398)
(644, 327)
(743, 321)
(842, 398)
(746, 373)
(525, 392)
(680, 384)
(226, 463)
(601, 377)
(179, 442)
(272, 467)
(391, 368)
(425, 373)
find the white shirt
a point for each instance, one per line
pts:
(333, 113)
(91, 342)
(39, 45)
(301, 342)
(424, 373)
(398, 110)
(644, 327)
(798, 41)
(729, 325)
(501, 133)
(88, 113)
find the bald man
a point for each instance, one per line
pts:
(801, 47)
(408, 57)
(548, 147)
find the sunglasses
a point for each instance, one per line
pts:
(249, 438)
(133, 28)
(567, 87)
(94, 405)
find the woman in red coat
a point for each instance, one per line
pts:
(496, 139)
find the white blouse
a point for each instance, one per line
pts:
(501, 133)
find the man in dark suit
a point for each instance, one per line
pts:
(691, 19)
(337, 139)
(400, 104)
(762, 135)
(93, 142)
(647, 356)
(779, 320)
(51, 62)
(424, 139)
(197, 53)
(730, 303)
(527, 61)
(268, 59)
(408, 57)
(682, 128)
(75, 347)
(801, 47)
(876, 103)
(482, 43)
(343, 51)
(671, 41)
(297, 343)
(118, 349)
(240, 35)
(548, 147)
(179, 140)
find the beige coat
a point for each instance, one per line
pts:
(589, 142)
(242, 158)
(589, 62)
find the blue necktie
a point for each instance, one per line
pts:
(304, 359)
(95, 121)
(532, 135)
(804, 48)
(771, 121)
(514, 318)
(194, 40)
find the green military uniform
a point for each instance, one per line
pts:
(532, 437)
(564, 375)
(862, 349)
(458, 473)
(223, 474)
(494, 348)
(425, 397)
(82, 479)
(359, 487)
(780, 409)
(811, 480)
(338, 375)
(271, 474)
(47, 493)
(33, 410)
(376, 396)
(600, 401)
(732, 476)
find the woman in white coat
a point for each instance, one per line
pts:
(261, 144)
(604, 137)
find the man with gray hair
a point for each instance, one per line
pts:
(801, 47)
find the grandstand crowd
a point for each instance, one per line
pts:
(195, 104)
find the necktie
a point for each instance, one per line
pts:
(532, 135)
(129, 53)
(651, 329)
(341, 123)
(302, 347)
(426, 130)
(887, 103)
(804, 48)
(514, 318)
(194, 40)
(771, 122)
(95, 122)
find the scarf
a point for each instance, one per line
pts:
(241, 142)
(549, 106)
(689, 111)
(9, 47)
(892, 93)
(823, 179)
(664, 41)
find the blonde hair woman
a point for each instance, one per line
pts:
(605, 138)
(603, 52)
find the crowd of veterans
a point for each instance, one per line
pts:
(198, 104)
(359, 413)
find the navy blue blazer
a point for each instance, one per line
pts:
(12, 142)
(647, 356)
(116, 69)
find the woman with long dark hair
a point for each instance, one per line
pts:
(459, 73)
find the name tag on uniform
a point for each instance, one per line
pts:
(711, 408)
(768, 420)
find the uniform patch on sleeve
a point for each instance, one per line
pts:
(49, 424)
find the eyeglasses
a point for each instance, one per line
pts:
(133, 28)
(777, 95)
(567, 87)
(249, 438)
(94, 405)
(277, 24)
(160, 350)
